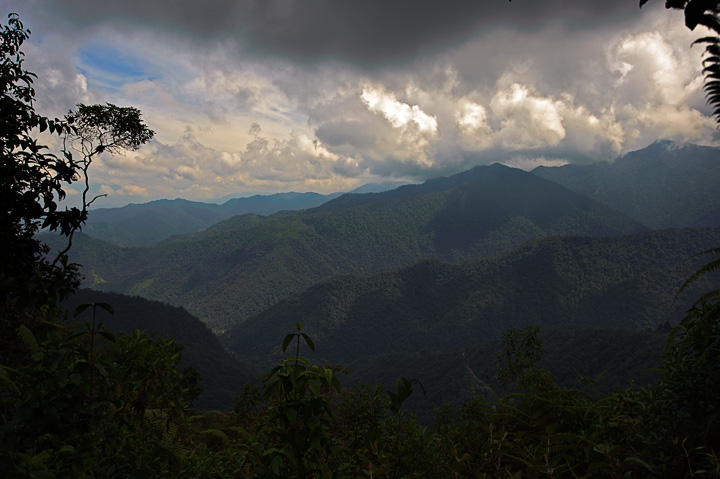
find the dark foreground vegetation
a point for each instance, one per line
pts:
(79, 400)
(99, 404)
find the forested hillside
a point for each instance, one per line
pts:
(246, 264)
(508, 311)
(221, 374)
(599, 361)
(665, 185)
(622, 282)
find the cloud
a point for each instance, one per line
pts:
(399, 114)
(369, 32)
(527, 119)
(350, 133)
(124, 190)
(190, 169)
(528, 164)
(650, 70)
(277, 95)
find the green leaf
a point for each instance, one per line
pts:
(271, 389)
(314, 387)
(639, 461)
(106, 307)
(5, 378)
(67, 448)
(404, 388)
(217, 433)
(308, 341)
(110, 336)
(101, 369)
(336, 384)
(37, 458)
(286, 342)
(28, 339)
(81, 308)
(291, 415)
(276, 465)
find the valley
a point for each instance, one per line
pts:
(441, 268)
(360, 240)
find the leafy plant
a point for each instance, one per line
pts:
(299, 414)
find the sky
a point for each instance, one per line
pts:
(265, 96)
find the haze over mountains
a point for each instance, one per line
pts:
(665, 185)
(439, 267)
(243, 265)
(148, 223)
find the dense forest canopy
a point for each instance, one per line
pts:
(78, 399)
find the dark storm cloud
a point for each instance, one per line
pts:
(345, 92)
(337, 133)
(366, 32)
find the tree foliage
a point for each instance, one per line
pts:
(31, 180)
(82, 401)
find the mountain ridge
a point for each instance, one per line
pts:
(243, 265)
(149, 223)
(618, 282)
(666, 185)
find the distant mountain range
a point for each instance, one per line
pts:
(666, 185)
(148, 223)
(243, 265)
(421, 280)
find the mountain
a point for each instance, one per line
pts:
(269, 204)
(222, 375)
(599, 360)
(148, 223)
(711, 219)
(379, 187)
(243, 265)
(623, 282)
(665, 185)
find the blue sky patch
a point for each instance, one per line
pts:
(109, 67)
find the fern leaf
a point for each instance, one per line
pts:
(28, 339)
(217, 433)
(5, 379)
(708, 268)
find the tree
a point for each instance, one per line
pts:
(33, 182)
(100, 129)
(518, 363)
(32, 187)
(68, 406)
